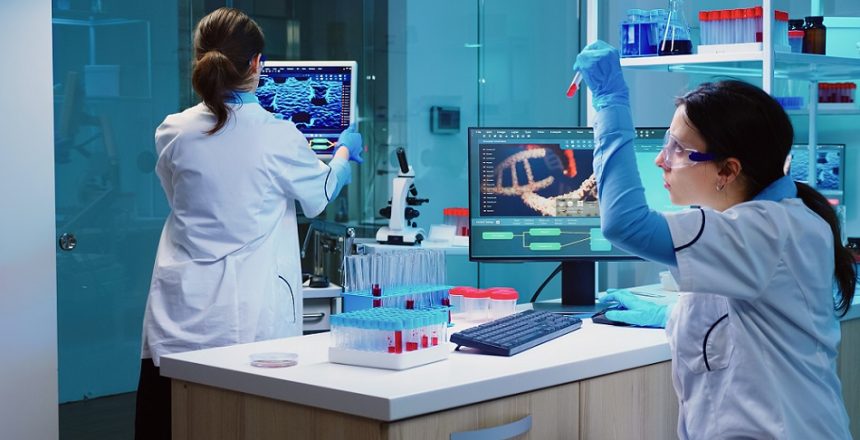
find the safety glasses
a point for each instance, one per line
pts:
(675, 154)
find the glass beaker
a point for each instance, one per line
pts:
(676, 37)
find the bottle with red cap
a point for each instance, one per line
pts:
(741, 26)
(459, 218)
(475, 304)
(503, 301)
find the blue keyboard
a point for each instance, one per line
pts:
(515, 333)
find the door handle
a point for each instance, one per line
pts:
(313, 316)
(509, 430)
(67, 241)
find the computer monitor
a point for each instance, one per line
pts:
(317, 96)
(829, 166)
(533, 197)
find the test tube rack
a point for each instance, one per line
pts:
(393, 339)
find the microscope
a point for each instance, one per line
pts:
(400, 212)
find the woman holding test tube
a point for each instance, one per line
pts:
(754, 333)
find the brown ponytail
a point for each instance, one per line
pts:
(225, 43)
(844, 269)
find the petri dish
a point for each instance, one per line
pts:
(274, 360)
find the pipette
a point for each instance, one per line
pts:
(574, 85)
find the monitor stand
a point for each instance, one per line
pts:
(578, 287)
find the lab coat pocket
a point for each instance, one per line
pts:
(703, 334)
(287, 301)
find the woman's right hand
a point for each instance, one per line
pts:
(351, 139)
(634, 311)
(600, 66)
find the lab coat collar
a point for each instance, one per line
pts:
(237, 97)
(782, 188)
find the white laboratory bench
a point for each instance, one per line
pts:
(597, 382)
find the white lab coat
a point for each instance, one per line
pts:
(227, 269)
(754, 336)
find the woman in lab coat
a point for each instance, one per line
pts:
(227, 269)
(754, 334)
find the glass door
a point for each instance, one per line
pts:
(116, 75)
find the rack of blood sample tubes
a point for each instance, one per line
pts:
(740, 26)
(390, 338)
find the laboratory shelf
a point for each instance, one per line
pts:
(661, 62)
(821, 111)
(786, 65)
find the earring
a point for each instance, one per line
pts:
(720, 187)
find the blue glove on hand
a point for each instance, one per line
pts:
(600, 67)
(351, 139)
(639, 312)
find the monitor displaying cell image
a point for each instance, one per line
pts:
(829, 166)
(317, 96)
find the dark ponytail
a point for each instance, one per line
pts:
(225, 43)
(740, 120)
(844, 269)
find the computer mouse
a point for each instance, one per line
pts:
(318, 281)
(600, 317)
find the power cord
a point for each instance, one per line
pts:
(545, 282)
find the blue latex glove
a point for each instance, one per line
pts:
(600, 66)
(351, 139)
(639, 312)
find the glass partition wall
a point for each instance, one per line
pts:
(115, 77)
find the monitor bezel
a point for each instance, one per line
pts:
(353, 94)
(472, 257)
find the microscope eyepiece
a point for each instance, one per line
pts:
(401, 157)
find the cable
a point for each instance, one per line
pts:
(545, 282)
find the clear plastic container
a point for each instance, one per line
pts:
(459, 218)
(455, 295)
(503, 301)
(705, 26)
(725, 32)
(780, 29)
(795, 40)
(476, 304)
(749, 25)
(737, 27)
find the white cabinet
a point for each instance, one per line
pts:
(319, 303)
